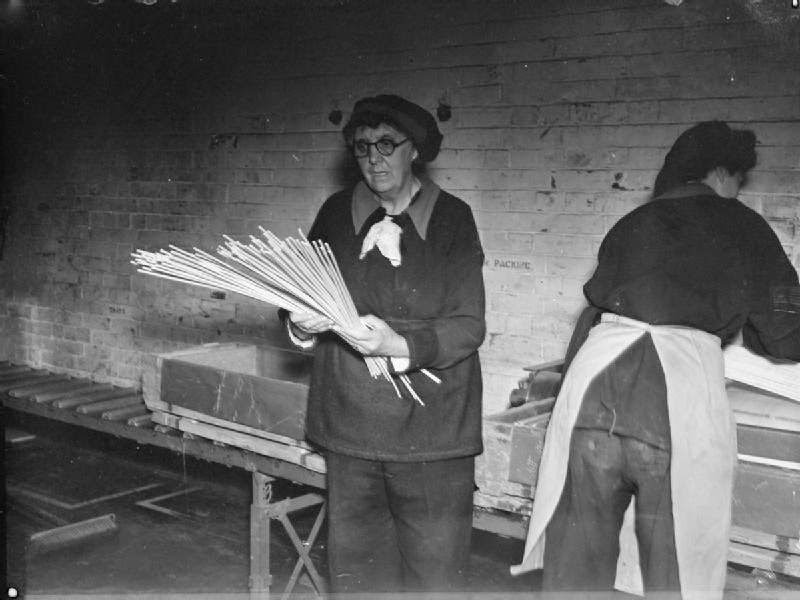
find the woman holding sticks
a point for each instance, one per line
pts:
(400, 458)
(642, 411)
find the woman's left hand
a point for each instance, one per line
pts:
(374, 337)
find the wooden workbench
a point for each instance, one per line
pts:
(95, 406)
(121, 412)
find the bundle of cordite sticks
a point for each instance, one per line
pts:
(296, 274)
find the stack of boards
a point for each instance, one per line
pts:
(765, 398)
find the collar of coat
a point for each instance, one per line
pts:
(694, 188)
(365, 202)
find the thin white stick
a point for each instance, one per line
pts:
(407, 382)
(430, 375)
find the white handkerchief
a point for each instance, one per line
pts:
(386, 236)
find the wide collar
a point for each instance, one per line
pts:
(365, 202)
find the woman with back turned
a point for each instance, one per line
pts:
(400, 474)
(642, 411)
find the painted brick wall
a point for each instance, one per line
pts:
(135, 127)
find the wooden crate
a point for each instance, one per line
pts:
(247, 387)
(506, 471)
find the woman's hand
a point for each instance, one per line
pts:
(310, 323)
(374, 337)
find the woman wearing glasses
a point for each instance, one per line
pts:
(400, 471)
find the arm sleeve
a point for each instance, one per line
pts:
(460, 328)
(773, 326)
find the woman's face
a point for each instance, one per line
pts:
(385, 175)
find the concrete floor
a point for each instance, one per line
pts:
(183, 526)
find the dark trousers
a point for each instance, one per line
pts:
(398, 526)
(582, 539)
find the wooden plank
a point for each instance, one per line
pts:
(155, 405)
(44, 386)
(500, 522)
(81, 387)
(8, 370)
(132, 399)
(204, 418)
(140, 421)
(766, 499)
(78, 400)
(125, 412)
(779, 543)
(761, 558)
(22, 379)
(777, 377)
(527, 444)
(292, 454)
(768, 443)
(772, 462)
(166, 419)
(760, 409)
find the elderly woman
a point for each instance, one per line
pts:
(400, 473)
(642, 412)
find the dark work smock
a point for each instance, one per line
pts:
(435, 300)
(701, 261)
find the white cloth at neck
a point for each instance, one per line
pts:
(386, 236)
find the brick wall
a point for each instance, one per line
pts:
(134, 127)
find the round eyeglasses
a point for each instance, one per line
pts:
(384, 146)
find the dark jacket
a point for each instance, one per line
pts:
(687, 258)
(435, 300)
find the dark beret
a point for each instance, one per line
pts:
(411, 119)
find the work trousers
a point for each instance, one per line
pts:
(582, 539)
(396, 526)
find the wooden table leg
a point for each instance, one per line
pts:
(260, 576)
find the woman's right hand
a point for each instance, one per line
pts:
(310, 323)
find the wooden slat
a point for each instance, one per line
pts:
(293, 454)
(96, 408)
(779, 543)
(73, 401)
(205, 418)
(789, 465)
(768, 443)
(778, 377)
(166, 419)
(69, 388)
(761, 558)
(500, 522)
(125, 412)
(140, 421)
(765, 498)
(82, 390)
(9, 370)
(22, 379)
(42, 386)
(760, 409)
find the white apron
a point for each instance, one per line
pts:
(703, 436)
